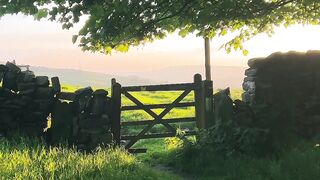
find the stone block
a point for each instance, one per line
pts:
(15, 104)
(44, 105)
(83, 99)
(99, 102)
(247, 97)
(26, 86)
(251, 72)
(26, 77)
(3, 68)
(9, 80)
(44, 93)
(92, 123)
(250, 78)
(61, 121)
(56, 85)
(100, 92)
(84, 92)
(249, 86)
(27, 92)
(255, 62)
(42, 81)
(13, 68)
(223, 105)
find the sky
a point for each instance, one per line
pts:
(44, 43)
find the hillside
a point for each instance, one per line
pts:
(86, 78)
(223, 76)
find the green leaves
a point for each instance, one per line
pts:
(183, 32)
(122, 47)
(119, 24)
(42, 13)
(245, 52)
(74, 38)
(223, 32)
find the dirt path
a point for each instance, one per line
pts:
(166, 169)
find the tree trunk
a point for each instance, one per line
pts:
(207, 58)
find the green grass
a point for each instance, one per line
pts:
(30, 159)
(71, 88)
(299, 163)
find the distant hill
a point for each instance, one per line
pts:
(86, 78)
(223, 76)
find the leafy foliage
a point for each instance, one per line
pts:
(226, 138)
(119, 24)
(301, 162)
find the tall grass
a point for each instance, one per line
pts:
(299, 163)
(30, 159)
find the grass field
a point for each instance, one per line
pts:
(31, 159)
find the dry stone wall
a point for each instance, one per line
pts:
(85, 121)
(290, 81)
(25, 101)
(29, 102)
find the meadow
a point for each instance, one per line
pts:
(23, 158)
(166, 158)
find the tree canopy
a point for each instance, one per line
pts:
(119, 24)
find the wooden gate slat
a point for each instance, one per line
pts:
(149, 111)
(162, 87)
(157, 106)
(139, 104)
(171, 106)
(156, 135)
(146, 122)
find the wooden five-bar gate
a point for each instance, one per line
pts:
(203, 103)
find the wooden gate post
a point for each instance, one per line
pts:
(207, 87)
(198, 100)
(203, 98)
(116, 112)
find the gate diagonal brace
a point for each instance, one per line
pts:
(148, 110)
(157, 118)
